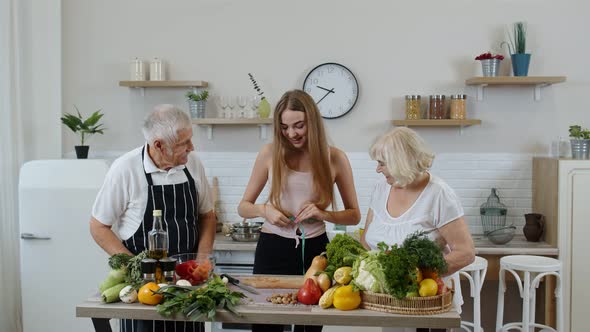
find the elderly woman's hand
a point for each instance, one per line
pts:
(275, 216)
(310, 210)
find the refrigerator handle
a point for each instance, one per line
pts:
(31, 236)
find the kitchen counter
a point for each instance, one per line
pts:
(518, 246)
(255, 310)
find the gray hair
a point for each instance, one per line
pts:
(164, 122)
(404, 153)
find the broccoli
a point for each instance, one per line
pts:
(343, 250)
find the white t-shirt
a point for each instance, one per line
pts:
(122, 200)
(435, 207)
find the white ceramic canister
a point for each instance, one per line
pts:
(137, 70)
(157, 70)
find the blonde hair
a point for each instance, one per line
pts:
(404, 153)
(297, 100)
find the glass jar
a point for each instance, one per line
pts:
(459, 107)
(413, 107)
(437, 107)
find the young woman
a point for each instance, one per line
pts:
(302, 169)
(409, 198)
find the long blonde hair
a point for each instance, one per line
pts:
(404, 153)
(323, 185)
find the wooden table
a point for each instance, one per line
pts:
(257, 311)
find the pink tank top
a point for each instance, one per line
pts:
(298, 191)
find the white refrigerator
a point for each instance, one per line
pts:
(61, 265)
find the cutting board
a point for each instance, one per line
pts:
(215, 194)
(270, 281)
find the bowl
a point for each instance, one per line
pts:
(501, 235)
(195, 268)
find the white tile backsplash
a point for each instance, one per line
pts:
(470, 175)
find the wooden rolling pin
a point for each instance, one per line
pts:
(272, 281)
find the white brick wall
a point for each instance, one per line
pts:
(470, 175)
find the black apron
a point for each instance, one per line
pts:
(178, 203)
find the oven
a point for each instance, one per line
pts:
(234, 262)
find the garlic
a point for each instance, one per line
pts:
(182, 282)
(128, 294)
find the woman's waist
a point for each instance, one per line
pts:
(307, 229)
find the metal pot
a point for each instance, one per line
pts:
(245, 231)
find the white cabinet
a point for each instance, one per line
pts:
(562, 193)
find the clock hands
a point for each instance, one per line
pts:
(321, 87)
(327, 93)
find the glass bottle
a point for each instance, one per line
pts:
(158, 242)
(437, 107)
(413, 107)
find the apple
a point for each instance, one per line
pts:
(442, 287)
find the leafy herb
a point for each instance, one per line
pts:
(200, 303)
(256, 86)
(428, 253)
(343, 250)
(119, 261)
(134, 277)
(576, 132)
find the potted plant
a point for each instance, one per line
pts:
(84, 127)
(490, 63)
(197, 103)
(580, 141)
(263, 106)
(517, 48)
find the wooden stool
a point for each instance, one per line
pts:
(536, 267)
(475, 274)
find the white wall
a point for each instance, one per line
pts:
(393, 47)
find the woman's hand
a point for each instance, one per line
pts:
(310, 210)
(275, 216)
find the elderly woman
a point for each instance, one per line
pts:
(409, 198)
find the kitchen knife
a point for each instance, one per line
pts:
(236, 282)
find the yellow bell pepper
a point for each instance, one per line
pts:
(346, 299)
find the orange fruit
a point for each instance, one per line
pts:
(428, 287)
(428, 273)
(146, 294)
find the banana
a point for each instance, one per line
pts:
(328, 297)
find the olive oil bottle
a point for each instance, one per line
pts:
(158, 243)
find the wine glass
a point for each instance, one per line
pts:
(255, 100)
(221, 102)
(242, 103)
(231, 104)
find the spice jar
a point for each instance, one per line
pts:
(437, 107)
(168, 266)
(413, 107)
(459, 107)
(148, 269)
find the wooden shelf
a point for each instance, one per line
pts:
(210, 122)
(516, 80)
(537, 81)
(164, 84)
(437, 123)
(219, 121)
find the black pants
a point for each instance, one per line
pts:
(278, 255)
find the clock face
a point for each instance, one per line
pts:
(334, 89)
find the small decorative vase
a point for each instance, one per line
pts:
(264, 109)
(82, 151)
(580, 148)
(533, 229)
(490, 67)
(197, 108)
(520, 64)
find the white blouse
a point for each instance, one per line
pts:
(436, 206)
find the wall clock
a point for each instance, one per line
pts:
(334, 89)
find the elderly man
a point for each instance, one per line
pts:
(163, 174)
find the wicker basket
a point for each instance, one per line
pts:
(428, 305)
